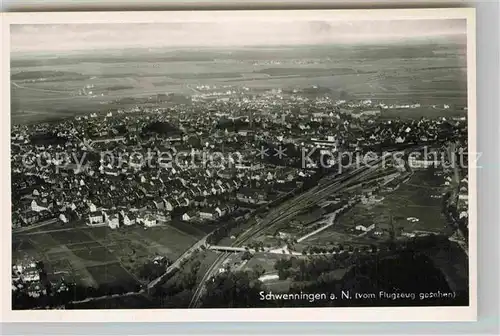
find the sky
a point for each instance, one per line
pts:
(85, 37)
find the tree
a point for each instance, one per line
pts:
(236, 290)
(246, 256)
(258, 271)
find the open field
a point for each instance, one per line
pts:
(193, 229)
(264, 260)
(420, 197)
(429, 74)
(112, 273)
(98, 256)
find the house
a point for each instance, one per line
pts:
(92, 207)
(226, 209)
(46, 215)
(159, 203)
(168, 206)
(114, 221)
(17, 222)
(39, 206)
(248, 166)
(189, 216)
(284, 235)
(112, 172)
(200, 201)
(209, 214)
(97, 218)
(408, 234)
(30, 274)
(365, 228)
(30, 217)
(422, 163)
(163, 217)
(63, 218)
(149, 221)
(247, 195)
(126, 219)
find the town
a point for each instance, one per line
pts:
(224, 156)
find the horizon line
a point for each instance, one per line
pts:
(409, 40)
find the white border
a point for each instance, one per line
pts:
(375, 314)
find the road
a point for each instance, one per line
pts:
(107, 297)
(71, 228)
(96, 98)
(330, 222)
(35, 226)
(39, 90)
(285, 212)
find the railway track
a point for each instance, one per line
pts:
(286, 212)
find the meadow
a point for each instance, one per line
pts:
(419, 197)
(101, 256)
(428, 73)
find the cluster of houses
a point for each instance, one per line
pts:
(156, 216)
(63, 192)
(26, 279)
(35, 207)
(117, 219)
(463, 199)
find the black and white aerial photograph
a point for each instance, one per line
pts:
(240, 162)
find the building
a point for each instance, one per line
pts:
(365, 228)
(370, 113)
(464, 192)
(92, 207)
(248, 166)
(38, 206)
(330, 142)
(163, 216)
(208, 214)
(159, 203)
(114, 221)
(149, 221)
(168, 206)
(30, 217)
(30, 274)
(189, 216)
(251, 196)
(63, 218)
(127, 219)
(97, 218)
(421, 162)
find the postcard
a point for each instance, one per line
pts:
(292, 165)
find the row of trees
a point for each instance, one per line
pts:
(311, 250)
(406, 270)
(234, 290)
(153, 269)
